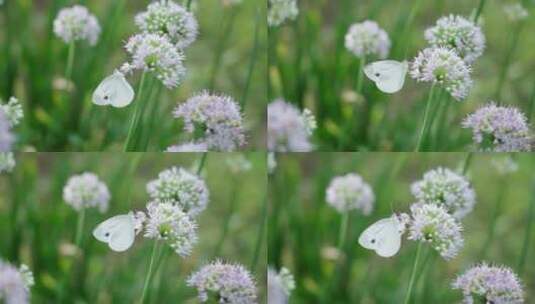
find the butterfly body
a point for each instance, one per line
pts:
(383, 236)
(388, 75)
(118, 232)
(114, 90)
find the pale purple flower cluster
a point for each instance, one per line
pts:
(167, 222)
(289, 130)
(15, 284)
(85, 191)
(498, 128)
(350, 192)
(367, 39)
(442, 186)
(179, 187)
(433, 225)
(279, 285)
(217, 118)
(77, 23)
(12, 110)
(442, 66)
(6, 137)
(7, 161)
(166, 18)
(155, 53)
(224, 283)
(281, 10)
(188, 147)
(489, 284)
(459, 34)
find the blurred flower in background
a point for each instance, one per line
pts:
(515, 11)
(489, 284)
(238, 163)
(367, 39)
(86, 191)
(6, 137)
(12, 110)
(350, 192)
(288, 129)
(279, 285)
(188, 147)
(77, 23)
(224, 283)
(7, 162)
(15, 283)
(281, 10)
(505, 165)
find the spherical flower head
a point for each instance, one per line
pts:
(289, 130)
(367, 39)
(444, 67)
(14, 284)
(515, 11)
(155, 53)
(179, 187)
(13, 111)
(349, 192)
(7, 162)
(238, 163)
(217, 118)
(280, 285)
(167, 222)
(489, 284)
(76, 23)
(281, 10)
(224, 283)
(442, 186)
(432, 224)
(498, 128)
(85, 191)
(165, 17)
(189, 147)
(458, 34)
(6, 137)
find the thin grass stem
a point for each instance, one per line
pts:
(423, 130)
(202, 162)
(252, 62)
(507, 62)
(129, 144)
(467, 161)
(148, 278)
(479, 10)
(413, 274)
(260, 235)
(79, 228)
(527, 234)
(342, 233)
(220, 48)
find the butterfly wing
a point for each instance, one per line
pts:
(124, 94)
(388, 75)
(384, 237)
(117, 232)
(103, 92)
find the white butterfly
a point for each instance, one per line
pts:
(117, 231)
(383, 236)
(114, 90)
(388, 75)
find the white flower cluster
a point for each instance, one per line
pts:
(281, 10)
(179, 187)
(13, 111)
(7, 161)
(77, 23)
(169, 223)
(85, 191)
(444, 67)
(289, 130)
(155, 53)
(280, 285)
(217, 120)
(432, 224)
(350, 192)
(6, 137)
(500, 129)
(166, 18)
(15, 283)
(224, 283)
(459, 34)
(444, 187)
(367, 39)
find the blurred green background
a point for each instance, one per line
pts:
(304, 230)
(33, 58)
(37, 228)
(310, 67)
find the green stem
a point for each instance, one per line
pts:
(70, 60)
(527, 234)
(413, 273)
(188, 5)
(479, 10)
(260, 235)
(423, 131)
(129, 145)
(342, 234)
(467, 161)
(148, 278)
(508, 56)
(252, 62)
(202, 162)
(80, 228)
